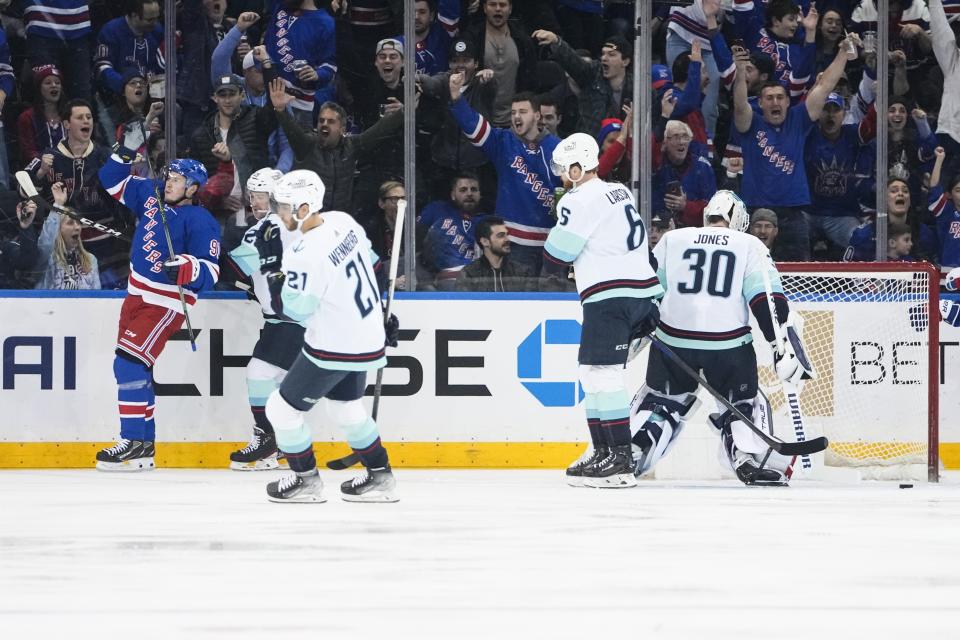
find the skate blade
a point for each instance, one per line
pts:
(127, 466)
(372, 496)
(619, 481)
(575, 481)
(775, 483)
(266, 464)
(302, 499)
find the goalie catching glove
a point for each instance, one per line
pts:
(182, 270)
(789, 357)
(270, 247)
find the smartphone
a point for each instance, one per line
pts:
(673, 188)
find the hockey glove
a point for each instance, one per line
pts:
(182, 270)
(391, 327)
(950, 312)
(270, 247)
(792, 364)
(952, 280)
(649, 322)
(131, 139)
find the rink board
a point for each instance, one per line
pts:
(479, 380)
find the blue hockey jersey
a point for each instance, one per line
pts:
(432, 50)
(832, 172)
(948, 226)
(118, 49)
(57, 19)
(302, 35)
(193, 231)
(525, 182)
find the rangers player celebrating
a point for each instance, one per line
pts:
(600, 232)
(326, 281)
(153, 309)
(280, 339)
(712, 276)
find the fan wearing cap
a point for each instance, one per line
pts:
(610, 74)
(435, 24)
(660, 223)
(39, 126)
(450, 151)
(382, 95)
(835, 188)
(301, 42)
(132, 110)
(763, 225)
(235, 132)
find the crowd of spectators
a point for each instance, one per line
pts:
(773, 99)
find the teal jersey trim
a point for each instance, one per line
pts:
(704, 345)
(339, 365)
(650, 292)
(297, 305)
(246, 258)
(564, 245)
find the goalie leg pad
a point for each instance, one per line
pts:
(135, 397)
(743, 451)
(661, 418)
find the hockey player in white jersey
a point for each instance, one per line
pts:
(280, 339)
(601, 233)
(327, 282)
(713, 277)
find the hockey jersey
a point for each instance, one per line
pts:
(600, 232)
(948, 226)
(432, 50)
(57, 19)
(525, 182)
(831, 167)
(193, 231)
(246, 259)
(451, 242)
(119, 48)
(330, 288)
(302, 35)
(712, 277)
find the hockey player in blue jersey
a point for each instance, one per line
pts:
(152, 310)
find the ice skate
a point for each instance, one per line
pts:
(575, 470)
(297, 487)
(752, 475)
(614, 471)
(373, 485)
(127, 455)
(260, 455)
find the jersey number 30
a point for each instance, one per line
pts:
(364, 301)
(721, 267)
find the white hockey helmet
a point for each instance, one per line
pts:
(727, 205)
(263, 180)
(577, 148)
(298, 188)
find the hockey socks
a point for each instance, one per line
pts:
(364, 439)
(135, 398)
(260, 419)
(593, 421)
(261, 382)
(303, 461)
(613, 409)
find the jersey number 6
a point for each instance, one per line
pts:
(636, 235)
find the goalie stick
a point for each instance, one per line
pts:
(783, 448)
(30, 191)
(351, 459)
(790, 391)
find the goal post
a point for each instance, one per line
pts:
(872, 332)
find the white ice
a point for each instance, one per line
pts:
(473, 554)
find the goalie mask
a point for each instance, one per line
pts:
(727, 205)
(296, 189)
(260, 187)
(576, 149)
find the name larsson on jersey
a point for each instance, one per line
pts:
(618, 195)
(774, 157)
(544, 191)
(342, 250)
(153, 256)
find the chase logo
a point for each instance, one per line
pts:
(530, 363)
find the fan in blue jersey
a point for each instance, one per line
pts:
(945, 206)
(435, 25)
(133, 40)
(153, 310)
(863, 239)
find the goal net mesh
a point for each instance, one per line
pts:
(867, 335)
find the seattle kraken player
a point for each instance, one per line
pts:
(601, 233)
(326, 281)
(152, 310)
(712, 276)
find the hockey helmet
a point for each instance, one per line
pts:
(727, 205)
(298, 188)
(193, 171)
(577, 148)
(263, 180)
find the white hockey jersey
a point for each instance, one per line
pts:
(246, 257)
(712, 275)
(331, 289)
(601, 232)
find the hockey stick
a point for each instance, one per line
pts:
(30, 190)
(162, 207)
(351, 459)
(783, 448)
(790, 391)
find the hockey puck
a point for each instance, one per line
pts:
(906, 486)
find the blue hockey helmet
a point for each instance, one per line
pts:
(193, 171)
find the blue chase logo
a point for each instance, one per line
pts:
(530, 363)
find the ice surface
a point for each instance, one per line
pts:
(473, 554)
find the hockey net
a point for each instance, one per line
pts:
(871, 331)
